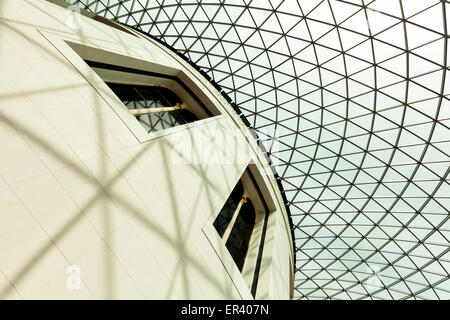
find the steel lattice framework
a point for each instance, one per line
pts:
(358, 93)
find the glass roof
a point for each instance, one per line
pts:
(358, 95)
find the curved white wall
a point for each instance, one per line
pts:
(83, 185)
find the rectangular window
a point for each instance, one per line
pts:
(235, 224)
(157, 101)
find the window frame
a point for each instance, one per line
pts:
(142, 72)
(258, 250)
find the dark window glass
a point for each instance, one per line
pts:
(139, 97)
(239, 238)
(225, 215)
(240, 235)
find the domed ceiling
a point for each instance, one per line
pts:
(357, 94)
